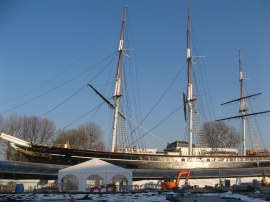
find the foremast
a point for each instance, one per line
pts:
(190, 98)
(118, 89)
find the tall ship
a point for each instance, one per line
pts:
(177, 155)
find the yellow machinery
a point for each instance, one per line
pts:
(263, 180)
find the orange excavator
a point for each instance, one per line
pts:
(169, 183)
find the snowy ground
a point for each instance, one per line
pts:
(121, 197)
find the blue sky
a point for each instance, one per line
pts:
(43, 44)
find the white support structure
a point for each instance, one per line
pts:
(15, 140)
(190, 108)
(117, 95)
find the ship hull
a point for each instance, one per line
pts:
(65, 156)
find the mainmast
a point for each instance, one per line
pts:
(117, 90)
(243, 106)
(190, 98)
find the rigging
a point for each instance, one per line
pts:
(58, 86)
(64, 69)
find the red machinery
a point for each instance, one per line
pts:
(171, 184)
(109, 188)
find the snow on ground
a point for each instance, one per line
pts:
(234, 195)
(121, 197)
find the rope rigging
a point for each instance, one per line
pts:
(159, 123)
(63, 102)
(61, 72)
(159, 100)
(58, 86)
(201, 81)
(80, 117)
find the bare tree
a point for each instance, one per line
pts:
(2, 122)
(3, 146)
(88, 136)
(94, 135)
(32, 129)
(37, 130)
(41, 131)
(220, 135)
(13, 125)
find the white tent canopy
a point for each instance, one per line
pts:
(90, 173)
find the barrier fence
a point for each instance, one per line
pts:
(21, 186)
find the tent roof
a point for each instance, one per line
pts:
(95, 164)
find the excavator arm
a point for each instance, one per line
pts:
(187, 173)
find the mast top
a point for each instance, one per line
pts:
(240, 66)
(188, 47)
(123, 28)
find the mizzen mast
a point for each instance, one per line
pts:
(117, 92)
(243, 107)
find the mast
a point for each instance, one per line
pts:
(117, 90)
(243, 106)
(190, 98)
